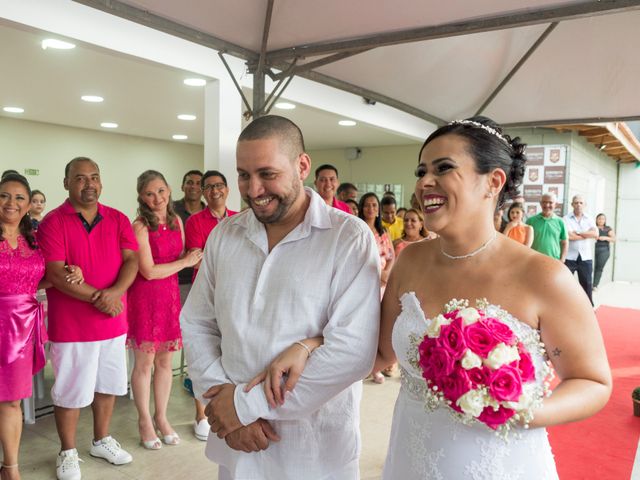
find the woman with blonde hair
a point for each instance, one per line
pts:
(413, 230)
(154, 305)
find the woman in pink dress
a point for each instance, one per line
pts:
(369, 211)
(22, 331)
(154, 305)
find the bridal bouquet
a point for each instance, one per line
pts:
(475, 363)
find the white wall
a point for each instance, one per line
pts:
(48, 148)
(627, 260)
(395, 164)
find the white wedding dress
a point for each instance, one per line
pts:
(434, 445)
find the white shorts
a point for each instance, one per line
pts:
(84, 368)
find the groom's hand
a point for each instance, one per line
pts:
(221, 411)
(252, 438)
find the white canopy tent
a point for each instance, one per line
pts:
(521, 62)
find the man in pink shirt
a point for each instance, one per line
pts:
(199, 225)
(196, 232)
(87, 323)
(326, 184)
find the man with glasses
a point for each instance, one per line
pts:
(196, 231)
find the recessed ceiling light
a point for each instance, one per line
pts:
(347, 123)
(186, 116)
(13, 109)
(195, 82)
(180, 137)
(109, 125)
(57, 44)
(92, 98)
(285, 106)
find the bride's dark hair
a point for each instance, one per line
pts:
(489, 150)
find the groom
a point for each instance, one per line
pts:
(286, 269)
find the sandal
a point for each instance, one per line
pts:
(171, 439)
(154, 444)
(377, 378)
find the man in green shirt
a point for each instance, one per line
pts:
(550, 233)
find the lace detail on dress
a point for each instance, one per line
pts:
(490, 465)
(424, 462)
(153, 308)
(21, 268)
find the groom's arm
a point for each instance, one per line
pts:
(200, 332)
(350, 338)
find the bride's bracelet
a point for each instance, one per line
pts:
(304, 346)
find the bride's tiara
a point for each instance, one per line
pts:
(486, 128)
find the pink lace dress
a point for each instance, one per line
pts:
(153, 306)
(21, 330)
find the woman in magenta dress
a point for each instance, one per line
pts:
(154, 305)
(22, 331)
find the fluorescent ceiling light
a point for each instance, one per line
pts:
(186, 116)
(195, 82)
(13, 109)
(57, 44)
(347, 123)
(92, 98)
(180, 137)
(109, 125)
(285, 106)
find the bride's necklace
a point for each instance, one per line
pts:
(475, 252)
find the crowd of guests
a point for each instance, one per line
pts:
(113, 284)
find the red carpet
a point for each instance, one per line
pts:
(604, 446)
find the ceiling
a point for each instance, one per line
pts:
(522, 62)
(142, 97)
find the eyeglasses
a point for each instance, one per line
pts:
(214, 186)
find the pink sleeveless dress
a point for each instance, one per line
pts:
(153, 306)
(23, 335)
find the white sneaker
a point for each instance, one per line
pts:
(68, 465)
(201, 429)
(111, 451)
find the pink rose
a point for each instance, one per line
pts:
(525, 365)
(501, 331)
(424, 352)
(452, 340)
(494, 418)
(451, 315)
(479, 376)
(479, 338)
(438, 364)
(456, 384)
(505, 384)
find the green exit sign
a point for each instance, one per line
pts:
(31, 171)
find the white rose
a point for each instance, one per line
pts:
(470, 360)
(472, 403)
(469, 315)
(433, 330)
(526, 400)
(501, 355)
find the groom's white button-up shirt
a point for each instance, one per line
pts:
(248, 304)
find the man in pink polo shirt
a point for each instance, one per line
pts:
(326, 184)
(87, 323)
(196, 232)
(199, 225)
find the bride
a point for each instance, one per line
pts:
(466, 169)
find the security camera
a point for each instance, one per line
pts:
(368, 101)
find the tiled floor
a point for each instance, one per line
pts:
(187, 462)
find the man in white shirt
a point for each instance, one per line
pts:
(582, 231)
(288, 268)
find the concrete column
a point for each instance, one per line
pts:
(222, 126)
